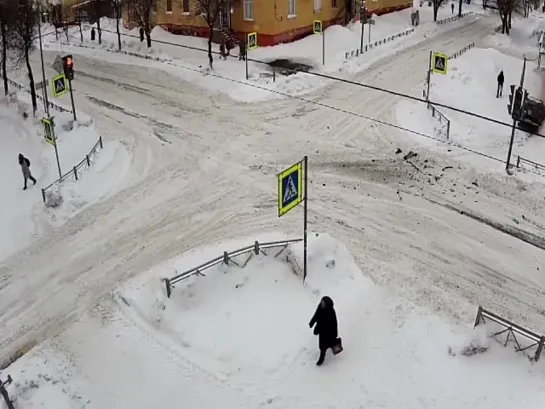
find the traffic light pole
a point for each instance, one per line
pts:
(72, 99)
(514, 127)
(46, 102)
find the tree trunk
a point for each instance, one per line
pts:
(435, 10)
(3, 33)
(31, 80)
(98, 29)
(210, 58)
(509, 23)
(148, 37)
(80, 29)
(460, 8)
(117, 18)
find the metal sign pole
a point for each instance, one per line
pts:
(514, 127)
(429, 78)
(323, 46)
(305, 218)
(362, 30)
(246, 60)
(72, 99)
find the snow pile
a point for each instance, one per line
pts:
(74, 140)
(471, 85)
(229, 76)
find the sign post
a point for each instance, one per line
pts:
(292, 190)
(251, 44)
(438, 64)
(318, 28)
(363, 18)
(49, 135)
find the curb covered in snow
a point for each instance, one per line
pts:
(368, 47)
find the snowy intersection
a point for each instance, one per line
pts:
(203, 170)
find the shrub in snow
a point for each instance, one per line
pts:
(293, 259)
(477, 342)
(53, 198)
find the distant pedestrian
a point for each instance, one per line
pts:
(325, 320)
(25, 168)
(452, 7)
(222, 51)
(501, 79)
(242, 51)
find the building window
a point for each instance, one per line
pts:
(248, 9)
(334, 3)
(169, 6)
(291, 8)
(317, 6)
(185, 6)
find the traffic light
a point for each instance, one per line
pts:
(68, 64)
(511, 96)
(515, 101)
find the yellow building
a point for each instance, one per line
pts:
(275, 21)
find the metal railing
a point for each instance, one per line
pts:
(460, 52)
(369, 47)
(536, 166)
(445, 128)
(512, 329)
(227, 258)
(74, 171)
(453, 18)
(52, 105)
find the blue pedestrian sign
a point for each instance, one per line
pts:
(290, 188)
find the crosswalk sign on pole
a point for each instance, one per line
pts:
(439, 63)
(47, 125)
(252, 41)
(317, 27)
(290, 188)
(59, 85)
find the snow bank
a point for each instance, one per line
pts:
(187, 59)
(239, 337)
(471, 85)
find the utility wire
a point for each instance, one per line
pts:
(321, 104)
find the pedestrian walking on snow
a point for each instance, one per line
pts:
(325, 322)
(25, 168)
(501, 79)
(452, 7)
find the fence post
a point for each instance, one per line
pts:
(478, 318)
(43, 195)
(256, 248)
(518, 161)
(448, 129)
(226, 257)
(100, 142)
(88, 161)
(539, 348)
(167, 283)
(76, 173)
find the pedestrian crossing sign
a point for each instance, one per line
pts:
(290, 188)
(439, 63)
(47, 125)
(59, 86)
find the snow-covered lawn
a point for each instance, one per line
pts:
(471, 85)
(187, 57)
(239, 337)
(26, 217)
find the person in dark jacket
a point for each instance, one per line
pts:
(325, 320)
(501, 79)
(25, 168)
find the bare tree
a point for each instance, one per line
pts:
(506, 9)
(56, 18)
(210, 10)
(7, 23)
(143, 9)
(26, 18)
(117, 6)
(436, 6)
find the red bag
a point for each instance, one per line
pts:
(337, 348)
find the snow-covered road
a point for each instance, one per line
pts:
(204, 169)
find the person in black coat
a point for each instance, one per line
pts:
(25, 168)
(501, 79)
(325, 320)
